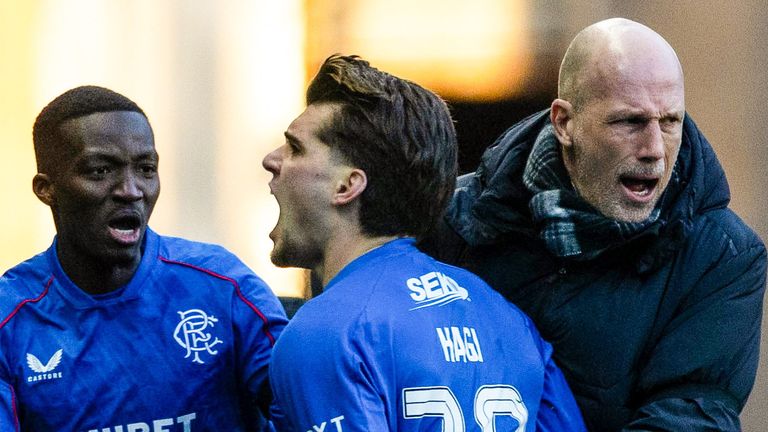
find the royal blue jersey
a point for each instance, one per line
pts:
(401, 342)
(184, 346)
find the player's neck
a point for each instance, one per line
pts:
(343, 250)
(94, 276)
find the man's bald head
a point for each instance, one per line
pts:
(609, 53)
(619, 117)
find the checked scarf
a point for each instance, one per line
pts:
(570, 227)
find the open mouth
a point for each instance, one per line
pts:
(638, 186)
(125, 229)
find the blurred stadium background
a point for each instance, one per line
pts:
(220, 81)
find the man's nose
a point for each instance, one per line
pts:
(272, 161)
(652, 147)
(128, 187)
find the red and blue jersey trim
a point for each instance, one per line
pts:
(239, 292)
(14, 409)
(24, 302)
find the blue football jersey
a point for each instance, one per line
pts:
(184, 346)
(401, 342)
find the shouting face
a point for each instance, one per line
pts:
(620, 124)
(304, 173)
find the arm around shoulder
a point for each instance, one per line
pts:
(703, 363)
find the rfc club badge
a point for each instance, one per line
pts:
(193, 334)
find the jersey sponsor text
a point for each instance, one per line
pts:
(435, 288)
(182, 423)
(335, 421)
(44, 377)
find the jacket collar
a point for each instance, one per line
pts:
(492, 203)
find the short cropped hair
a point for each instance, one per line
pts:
(399, 133)
(74, 103)
(571, 80)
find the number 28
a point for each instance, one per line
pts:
(490, 401)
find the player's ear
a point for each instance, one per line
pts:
(43, 188)
(350, 186)
(561, 116)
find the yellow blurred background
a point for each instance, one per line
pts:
(220, 80)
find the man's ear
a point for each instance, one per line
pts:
(43, 188)
(561, 116)
(350, 186)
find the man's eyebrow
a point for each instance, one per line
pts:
(102, 154)
(674, 113)
(628, 112)
(151, 154)
(291, 137)
(99, 153)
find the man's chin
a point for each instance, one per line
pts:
(280, 259)
(277, 262)
(284, 258)
(632, 214)
(125, 257)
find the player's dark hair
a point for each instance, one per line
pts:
(399, 133)
(74, 103)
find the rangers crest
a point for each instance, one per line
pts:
(191, 334)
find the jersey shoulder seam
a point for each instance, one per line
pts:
(236, 286)
(26, 301)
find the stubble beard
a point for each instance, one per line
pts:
(280, 255)
(286, 253)
(604, 193)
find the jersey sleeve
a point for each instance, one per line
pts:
(259, 319)
(558, 410)
(8, 418)
(703, 367)
(326, 382)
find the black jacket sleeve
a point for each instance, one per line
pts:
(701, 370)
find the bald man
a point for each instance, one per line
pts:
(606, 219)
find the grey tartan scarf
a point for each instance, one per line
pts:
(570, 227)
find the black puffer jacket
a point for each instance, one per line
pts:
(659, 333)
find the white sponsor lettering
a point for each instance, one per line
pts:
(460, 344)
(44, 377)
(335, 421)
(159, 425)
(435, 288)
